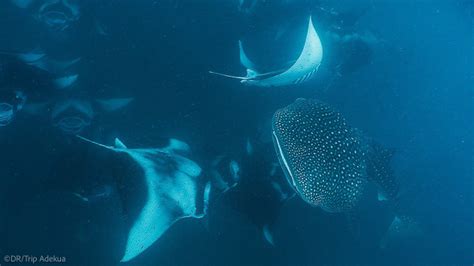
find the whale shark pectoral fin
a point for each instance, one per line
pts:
(119, 144)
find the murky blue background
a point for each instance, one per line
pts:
(415, 95)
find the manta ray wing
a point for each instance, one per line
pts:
(303, 69)
(171, 194)
(244, 59)
(66, 81)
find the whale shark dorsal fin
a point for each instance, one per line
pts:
(244, 59)
(118, 144)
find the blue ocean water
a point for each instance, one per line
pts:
(399, 71)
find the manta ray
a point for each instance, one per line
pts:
(37, 58)
(303, 69)
(172, 192)
(75, 113)
(55, 14)
(8, 110)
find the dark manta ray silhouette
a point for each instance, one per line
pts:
(252, 186)
(328, 163)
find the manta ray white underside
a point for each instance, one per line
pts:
(171, 194)
(303, 69)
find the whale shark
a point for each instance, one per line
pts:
(172, 192)
(302, 70)
(328, 163)
(333, 166)
(323, 158)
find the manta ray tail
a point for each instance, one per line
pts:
(93, 142)
(228, 76)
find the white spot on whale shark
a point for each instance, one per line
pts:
(302, 70)
(171, 180)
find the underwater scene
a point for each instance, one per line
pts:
(236, 132)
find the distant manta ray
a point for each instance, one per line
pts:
(40, 60)
(303, 69)
(171, 181)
